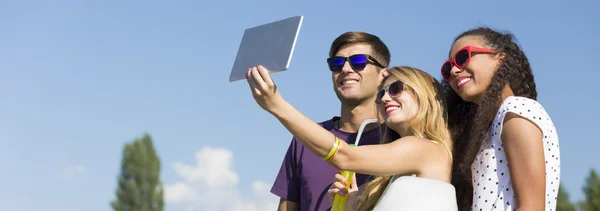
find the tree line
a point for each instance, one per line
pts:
(591, 200)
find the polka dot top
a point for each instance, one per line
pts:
(491, 178)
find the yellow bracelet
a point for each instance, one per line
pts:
(335, 152)
(335, 143)
(334, 149)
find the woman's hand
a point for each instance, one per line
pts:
(264, 89)
(339, 187)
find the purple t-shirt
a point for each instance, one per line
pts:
(304, 178)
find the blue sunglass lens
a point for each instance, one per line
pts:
(338, 61)
(358, 59)
(358, 62)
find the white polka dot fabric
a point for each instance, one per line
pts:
(491, 177)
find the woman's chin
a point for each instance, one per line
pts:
(469, 95)
(466, 97)
(393, 123)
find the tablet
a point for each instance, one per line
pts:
(270, 45)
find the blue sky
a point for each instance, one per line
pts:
(79, 79)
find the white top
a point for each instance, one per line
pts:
(491, 177)
(415, 193)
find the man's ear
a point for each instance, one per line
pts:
(383, 74)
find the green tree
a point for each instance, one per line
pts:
(139, 188)
(591, 190)
(563, 203)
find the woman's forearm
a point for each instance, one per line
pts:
(314, 137)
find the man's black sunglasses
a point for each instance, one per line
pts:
(357, 62)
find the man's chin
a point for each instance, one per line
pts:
(348, 92)
(350, 98)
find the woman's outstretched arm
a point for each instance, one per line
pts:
(409, 154)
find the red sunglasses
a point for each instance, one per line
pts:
(461, 59)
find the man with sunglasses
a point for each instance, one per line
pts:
(357, 61)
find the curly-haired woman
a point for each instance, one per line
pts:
(506, 150)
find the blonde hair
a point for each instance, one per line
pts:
(431, 122)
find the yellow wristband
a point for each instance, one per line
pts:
(334, 149)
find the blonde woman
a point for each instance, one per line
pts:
(414, 171)
(418, 164)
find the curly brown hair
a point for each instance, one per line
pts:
(468, 122)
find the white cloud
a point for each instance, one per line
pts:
(212, 185)
(71, 171)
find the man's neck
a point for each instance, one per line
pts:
(352, 116)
